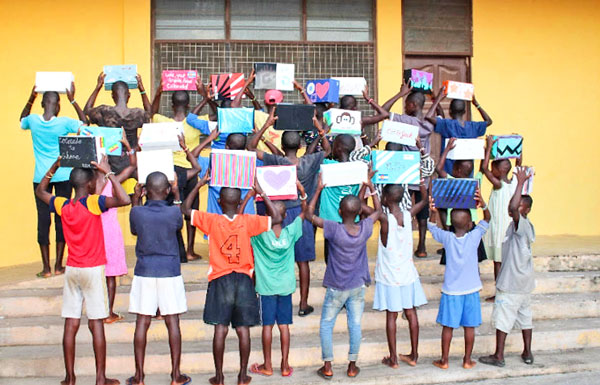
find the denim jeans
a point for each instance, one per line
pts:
(354, 299)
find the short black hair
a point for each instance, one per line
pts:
(226, 103)
(291, 140)
(458, 106)
(347, 102)
(236, 141)
(350, 204)
(157, 182)
(391, 146)
(460, 213)
(81, 176)
(346, 142)
(50, 97)
(528, 200)
(230, 194)
(394, 192)
(416, 97)
(119, 86)
(180, 98)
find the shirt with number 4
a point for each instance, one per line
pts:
(229, 246)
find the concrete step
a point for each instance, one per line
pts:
(48, 329)
(581, 367)
(41, 302)
(196, 272)
(44, 360)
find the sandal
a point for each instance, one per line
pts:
(528, 360)
(490, 360)
(288, 374)
(130, 380)
(59, 271)
(255, 369)
(41, 274)
(304, 312)
(421, 254)
(355, 374)
(187, 381)
(323, 375)
(110, 320)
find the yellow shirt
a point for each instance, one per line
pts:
(192, 139)
(272, 135)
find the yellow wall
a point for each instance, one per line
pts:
(42, 35)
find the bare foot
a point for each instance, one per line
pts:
(59, 270)
(181, 379)
(491, 299)
(67, 381)
(469, 364)
(440, 364)
(217, 381)
(261, 370)
(244, 380)
(392, 363)
(409, 360)
(44, 274)
(109, 381)
(193, 257)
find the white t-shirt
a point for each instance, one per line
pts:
(395, 266)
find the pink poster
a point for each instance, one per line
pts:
(179, 80)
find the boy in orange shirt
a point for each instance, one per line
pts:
(230, 297)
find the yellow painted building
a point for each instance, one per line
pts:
(534, 64)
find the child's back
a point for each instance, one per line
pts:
(395, 266)
(516, 272)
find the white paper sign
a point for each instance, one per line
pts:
(161, 136)
(528, 185)
(284, 77)
(345, 173)
(466, 149)
(398, 132)
(212, 126)
(156, 160)
(53, 81)
(278, 182)
(352, 85)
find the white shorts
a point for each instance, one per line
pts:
(149, 294)
(85, 284)
(512, 310)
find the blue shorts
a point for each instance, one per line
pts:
(459, 310)
(276, 309)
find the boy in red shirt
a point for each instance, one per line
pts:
(84, 274)
(230, 297)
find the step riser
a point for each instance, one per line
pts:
(196, 329)
(371, 353)
(51, 305)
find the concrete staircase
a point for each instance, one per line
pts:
(566, 306)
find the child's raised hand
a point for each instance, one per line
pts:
(432, 207)
(125, 142)
(173, 182)
(257, 188)
(200, 87)
(272, 118)
(297, 85)
(204, 180)
(371, 173)
(139, 190)
(365, 92)
(100, 81)
(320, 185)
(300, 187)
(522, 174)
(452, 143)
(479, 199)
(103, 166)
(181, 140)
(318, 126)
(33, 91)
(406, 87)
(71, 92)
(138, 77)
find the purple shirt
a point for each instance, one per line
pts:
(348, 265)
(425, 129)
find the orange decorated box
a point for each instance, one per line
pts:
(458, 90)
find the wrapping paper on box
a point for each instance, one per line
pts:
(79, 151)
(235, 120)
(179, 80)
(53, 81)
(351, 85)
(227, 86)
(278, 76)
(507, 146)
(467, 149)
(232, 168)
(161, 136)
(126, 73)
(155, 160)
(528, 185)
(345, 173)
(396, 167)
(420, 80)
(343, 121)
(294, 117)
(110, 138)
(278, 182)
(323, 90)
(397, 132)
(458, 90)
(454, 193)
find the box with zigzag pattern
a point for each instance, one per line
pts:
(507, 146)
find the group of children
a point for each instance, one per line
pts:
(251, 274)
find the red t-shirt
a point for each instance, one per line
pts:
(82, 228)
(229, 247)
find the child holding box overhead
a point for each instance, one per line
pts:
(45, 130)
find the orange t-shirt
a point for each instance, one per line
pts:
(229, 247)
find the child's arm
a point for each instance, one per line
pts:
(71, 97)
(205, 97)
(315, 220)
(484, 114)
(253, 143)
(206, 142)
(145, 100)
(376, 202)
(186, 207)
(439, 167)
(404, 90)
(274, 150)
(322, 139)
(42, 189)
(127, 171)
(242, 208)
(418, 206)
(430, 116)
(27, 109)
(302, 92)
(515, 201)
(481, 204)
(486, 162)
(381, 113)
(175, 190)
(89, 105)
(271, 210)
(156, 101)
(138, 193)
(302, 196)
(196, 168)
(252, 98)
(120, 197)
(433, 212)
(237, 101)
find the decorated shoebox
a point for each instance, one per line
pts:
(398, 132)
(235, 120)
(294, 117)
(458, 90)
(344, 173)
(232, 168)
(507, 146)
(227, 86)
(279, 76)
(278, 182)
(467, 149)
(79, 151)
(323, 90)
(343, 121)
(351, 85)
(126, 73)
(419, 80)
(53, 81)
(528, 185)
(454, 193)
(161, 136)
(396, 167)
(179, 80)
(110, 138)
(155, 160)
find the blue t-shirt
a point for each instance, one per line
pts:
(157, 250)
(202, 125)
(450, 128)
(44, 135)
(462, 271)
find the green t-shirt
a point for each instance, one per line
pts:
(474, 217)
(274, 260)
(332, 196)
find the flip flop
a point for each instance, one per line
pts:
(188, 381)
(129, 381)
(422, 254)
(489, 360)
(255, 369)
(304, 312)
(528, 360)
(324, 376)
(289, 374)
(113, 320)
(59, 272)
(41, 274)
(355, 374)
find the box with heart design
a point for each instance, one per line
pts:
(323, 90)
(278, 182)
